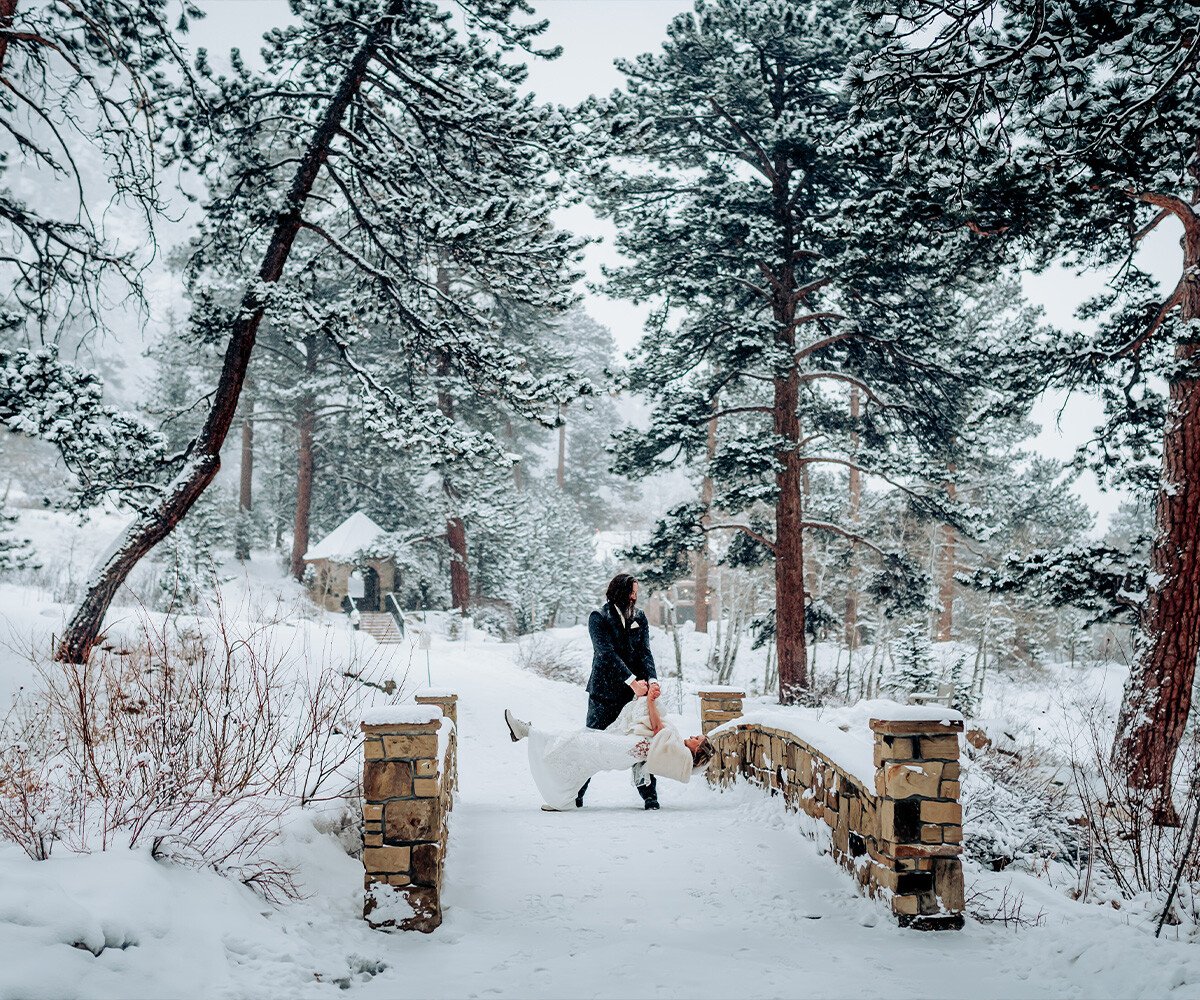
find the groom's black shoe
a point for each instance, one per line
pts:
(578, 801)
(652, 803)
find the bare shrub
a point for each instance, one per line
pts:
(1129, 855)
(1007, 909)
(549, 659)
(194, 738)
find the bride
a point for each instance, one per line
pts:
(561, 762)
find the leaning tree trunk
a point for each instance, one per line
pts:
(306, 427)
(1158, 697)
(947, 567)
(204, 459)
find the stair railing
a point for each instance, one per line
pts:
(392, 605)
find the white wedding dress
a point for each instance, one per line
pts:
(561, 762)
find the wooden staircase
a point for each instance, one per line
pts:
(380, 626)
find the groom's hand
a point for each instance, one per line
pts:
(640, 688)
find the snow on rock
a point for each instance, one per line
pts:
(407, 715)
(853, 751)
(893, 711)
(353, 535)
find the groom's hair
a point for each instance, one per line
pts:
(620, 590)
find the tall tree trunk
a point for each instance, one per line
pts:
(8, 10)
(947, 567)
(306, 425)
(560, 472)
(789, 547)
(1158, 696)
(706, 498)
(204, 459)
(456, 528)
(854, 506)
(245, 486)
(518, 470)
(790, 644)
(460, 578)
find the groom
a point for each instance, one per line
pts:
(622, 664)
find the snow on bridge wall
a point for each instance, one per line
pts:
(893, 819)
(410, 775)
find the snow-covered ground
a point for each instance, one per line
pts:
(717, 894)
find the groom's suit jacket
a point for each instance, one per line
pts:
(620, 651)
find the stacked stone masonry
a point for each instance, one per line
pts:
(901, 839)
(408, 792)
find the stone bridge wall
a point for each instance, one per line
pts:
(410, 775)
(902, 838)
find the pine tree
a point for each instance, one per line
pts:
(1071, 133)
(768, 235)
(189, 573)
(82, 85)
(324, 192)
(963, 698)
(15, 553)
(915, 671)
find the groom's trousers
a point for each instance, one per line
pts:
(601, 715)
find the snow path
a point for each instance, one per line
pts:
(718, 894)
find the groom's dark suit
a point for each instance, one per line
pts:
(620, 652)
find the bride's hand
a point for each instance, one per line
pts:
(654, 691)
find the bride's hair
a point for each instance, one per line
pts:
(703, 754)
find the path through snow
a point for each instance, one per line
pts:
(716, 895)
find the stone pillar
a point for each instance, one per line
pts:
(918, 854)
(447, 701)
(406, 792)
(719, 705)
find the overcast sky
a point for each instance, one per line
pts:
(592, 34)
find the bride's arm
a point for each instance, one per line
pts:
(656, 722)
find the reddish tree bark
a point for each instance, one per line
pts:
(153, 525)
(306, 426)
(790, 642)
(1158, 698)
(854, 506)
(460, 577)
(947, 566)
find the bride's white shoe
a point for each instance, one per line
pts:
(517, 729)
